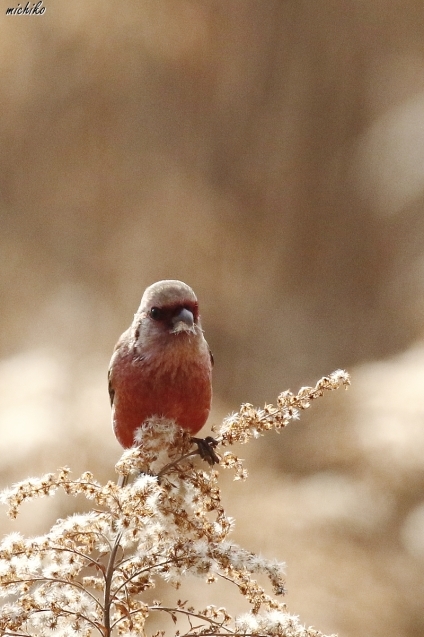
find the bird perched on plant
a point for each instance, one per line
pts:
(162, 366)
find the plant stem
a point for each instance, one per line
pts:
(108, 584)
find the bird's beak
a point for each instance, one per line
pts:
(183, 321)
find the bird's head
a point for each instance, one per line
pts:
(167, 308)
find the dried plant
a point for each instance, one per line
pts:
(92, 573)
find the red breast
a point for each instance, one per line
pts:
(179, 389)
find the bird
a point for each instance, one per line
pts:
(162, 366)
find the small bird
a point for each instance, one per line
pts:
(162, 366)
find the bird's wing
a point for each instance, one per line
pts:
(211, 357)
(111, 389)
(120, 346)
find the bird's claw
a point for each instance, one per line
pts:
(206, 448)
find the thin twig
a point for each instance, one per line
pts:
(108, 584)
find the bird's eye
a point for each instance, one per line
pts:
(156, 313)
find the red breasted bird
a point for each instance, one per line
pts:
(162, 365)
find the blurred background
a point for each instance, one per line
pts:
(270, 154)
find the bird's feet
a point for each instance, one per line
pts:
(206, 448)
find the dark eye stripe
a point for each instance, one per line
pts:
(167, 313)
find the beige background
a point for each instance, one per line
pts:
(271, 154)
